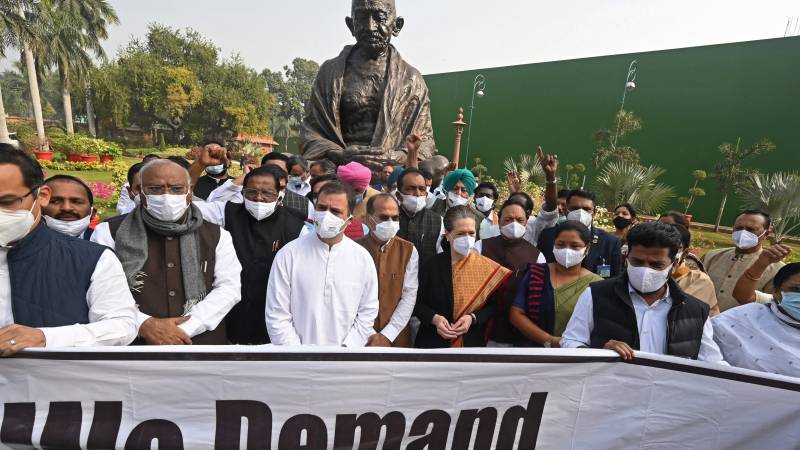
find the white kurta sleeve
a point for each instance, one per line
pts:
(124, 203)
(228, 192)
(364, 325)
(408, 298)
(278, 313)
(112, 312)
(709, 350)
(225, 292)
(579, 328)
(213, 212)
(543, 220)
(102, 236)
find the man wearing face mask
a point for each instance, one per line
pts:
(644, 309)
(485, 197)
(125, 202)
(357, 177)
(70, 208)
(725, 266)
(397, 262)
(513, 252)
(459, 187)
(605, 256)
(55, 290)
(299, 179)
(764, 337)
(259, 227)
(323, 287)
(182, 270)
(215, 175)
(418, 224)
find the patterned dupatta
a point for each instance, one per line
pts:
(475, 278)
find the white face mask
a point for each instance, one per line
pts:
(568, 257)
(430, 199)
(72, 228)
(328, 225)
(167, 207)
(513, 230)
(464, 244)
(215, 170)
(412, 204)
(745, 240)
(581, 216)
(454, 199)
(385, 231)
(15, 225)
(260, 210)
(484, 204)
(647, 280)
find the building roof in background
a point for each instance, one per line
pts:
(263, 140)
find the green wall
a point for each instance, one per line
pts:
(690, 101)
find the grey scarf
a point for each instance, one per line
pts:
(131, 249)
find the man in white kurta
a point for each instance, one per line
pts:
(323, 287)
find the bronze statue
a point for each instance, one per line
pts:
(367, 100)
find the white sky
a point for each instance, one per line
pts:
(452, 35)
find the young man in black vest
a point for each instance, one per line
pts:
(418, 224)
(55, 290)
(182, 270)
(644, 309)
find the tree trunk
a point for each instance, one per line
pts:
(90, 110)
(4, 139)
(36, 100)
(66, 99)
(721, 210)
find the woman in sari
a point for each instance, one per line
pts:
(454, 300)
(547, 293)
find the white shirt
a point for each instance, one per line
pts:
(225, 292)
(125, 203)
(112, 312)
(544, 220)
(231, 192)
(479, 249)
(408, 298)
(488, 228)
(317, 295)
(651, 320)
(759, 337)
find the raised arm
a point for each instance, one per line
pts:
(745, 289)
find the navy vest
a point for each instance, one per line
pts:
(50, 274)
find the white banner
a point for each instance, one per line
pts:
(277, 398)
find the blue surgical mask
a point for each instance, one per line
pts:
(359, 199)
(215, 170)
(296, 180)
(790, 303)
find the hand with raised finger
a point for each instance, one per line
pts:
(549, 164)
(514, 182)
(624, 350)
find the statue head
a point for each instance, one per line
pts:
(373, 23)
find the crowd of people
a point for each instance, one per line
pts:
(294, 252)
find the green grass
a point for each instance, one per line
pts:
(88, 175)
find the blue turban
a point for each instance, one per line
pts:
(462, 175)
(396, 174)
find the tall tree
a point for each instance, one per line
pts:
(731, 174)
(31, 13)
(292, 88)
(14, 31)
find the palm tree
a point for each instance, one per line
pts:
(74, 28)
(627, 182)
(779, 195)
(14, 30)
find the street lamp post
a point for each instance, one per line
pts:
(478, 90)
(630, 85)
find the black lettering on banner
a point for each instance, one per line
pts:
(229, 424)
(531, 420)
(292, 433)
(487, 419)
(371, 425)
(437, 438)
(167, 433)
(105, 425)
(62, 429)
(17, 425)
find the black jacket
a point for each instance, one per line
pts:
(435, 296)
(605, 247)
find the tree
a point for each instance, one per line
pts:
(31, 13)
(17, 32)
(607, 142)
(694, 192)
(730, 172)
(625, 182)
(292, 88)
(779, 195)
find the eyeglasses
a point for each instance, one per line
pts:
(12, 203)
(256, 194)
(161, 190)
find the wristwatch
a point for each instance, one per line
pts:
(547, 344)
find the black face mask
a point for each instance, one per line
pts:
(621, 222)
